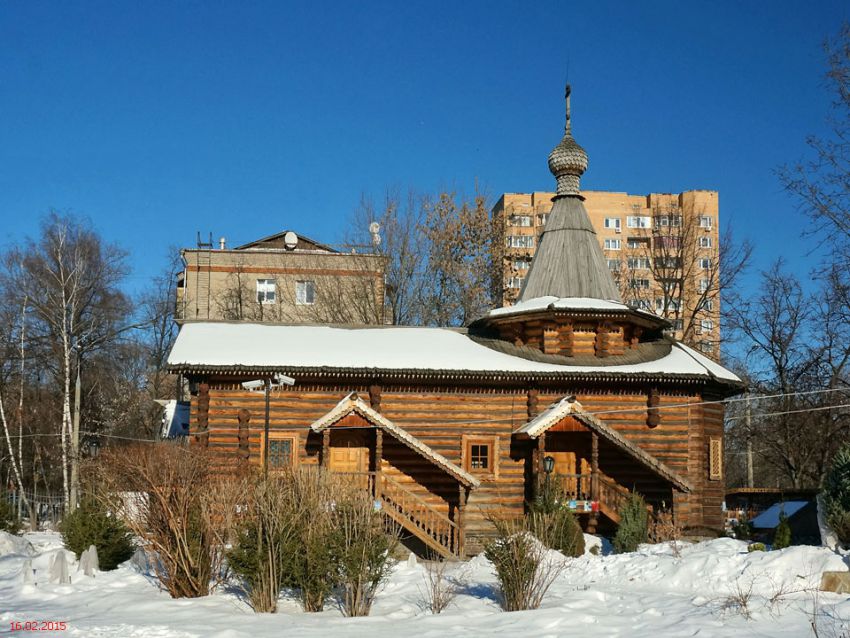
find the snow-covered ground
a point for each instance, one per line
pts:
(652, 592)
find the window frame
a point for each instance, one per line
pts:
(641, 222)
(308, 284)
(706, 221)
(262, 289)
(275, 435)
(467, 441)
(608, 244)
(617, 225)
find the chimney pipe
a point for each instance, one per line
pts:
(222, 243)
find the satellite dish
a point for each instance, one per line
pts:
(374, 228)
(290, 240)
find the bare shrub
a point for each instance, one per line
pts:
(524, 568)
(267, 541)
(361, 547)
(174, 505)
(664, 529)
(739, 600)
(439, 590)
(314, 491)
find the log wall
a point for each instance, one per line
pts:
(440, 417)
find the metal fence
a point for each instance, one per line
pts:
(48, 508)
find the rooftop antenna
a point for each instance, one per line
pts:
(374, 231)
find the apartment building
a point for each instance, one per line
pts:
(283, 278)
(662, 248)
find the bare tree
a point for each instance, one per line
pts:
(70, 279)
(677, 271)
(797, 356)
(463, 259)
(822, 184)
(404, 246)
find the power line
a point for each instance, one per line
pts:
(524, 418)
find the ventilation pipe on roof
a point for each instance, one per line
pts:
(222, 243)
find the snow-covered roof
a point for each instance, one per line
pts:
(353, 403)
(769, 518)
(250, 346)
(568, 303)
(568, 406)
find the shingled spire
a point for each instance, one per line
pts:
(569, 261)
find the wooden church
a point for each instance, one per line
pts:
(452, 427)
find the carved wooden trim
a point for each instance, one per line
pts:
(532, 400)
(653, 414)
(375, 397)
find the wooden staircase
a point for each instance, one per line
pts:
(420, 518)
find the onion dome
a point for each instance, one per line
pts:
(568, 160)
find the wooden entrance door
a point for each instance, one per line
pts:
(348, 453)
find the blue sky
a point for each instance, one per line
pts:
(158, 120)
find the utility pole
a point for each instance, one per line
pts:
(267, 385)
(747, 417)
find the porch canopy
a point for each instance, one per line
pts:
(352, 404)
(568, 407)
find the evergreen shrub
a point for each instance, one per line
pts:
(782, 534)
(634, 525)
(836, 494)
(91, 524)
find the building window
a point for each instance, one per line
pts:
(707, 325)
(265, 291)
(705, 242)
(671, 242)
(705, 263)
(678, 324)
(703, 285)
(614, 264)
(638, 221)
(612, 223)
(639, 283)
(708, 304)
(715, 459)
(640, 304)
(541, 219)
(673, 305)
(520, 241)
(707, 347)
(281, 450)
(668, 220)
(480, 455)
(521, 220)
(705, 221)
(305, 293)
(634, 243)
(638, 263)
(612, 244)
(515, 283)
(521, 264)
(668, 262)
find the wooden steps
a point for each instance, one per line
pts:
(436, 530)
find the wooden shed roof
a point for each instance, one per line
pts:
(569, 407)
(352, 403)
